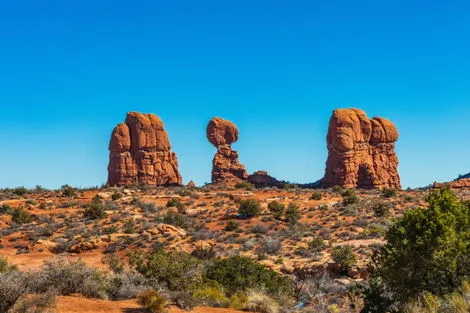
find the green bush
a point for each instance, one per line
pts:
(212, 296)
(381, 209)
(337, 189)
(232, 225)
(175, 203)
(317, 195)
(249, 208)
(292, 213)
(153, 301)
(427, 250)
(344, 257)
(245, 185)
(389, 192)
(20, 191)
(317, 244)
(5, 267)
(277, 209)
(21, 216)
(95, 210)
(349, 197)
(176, 219)
(129, 226)
(179, 271)
(238, 301)
(68, 191)
(241, 273)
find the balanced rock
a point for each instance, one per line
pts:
(140, 153)
(361, 151)
(225, 166)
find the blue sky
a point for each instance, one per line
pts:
(70, 70)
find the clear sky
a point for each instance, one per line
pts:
(70, 70)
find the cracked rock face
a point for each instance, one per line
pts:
(225, 166)
(140, 153)
(361, 151)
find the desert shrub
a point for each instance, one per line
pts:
(211, 295)
(13, 286)
(204, 253)
(457, 302)
(177, 270)
(116, 196)
(21, 216)
(232, 225)
(389, 193)
(146, 206)
(5, 267)
(68, 277)
(153, 301)
(292, 213)
(129, 226)
(337, 189)
(175, 203)
(183, 300)
(344, 257)
(316, 195)
(95, 210)
(249, 208)
(38, 303)
(381, 209)
(68, 191)
(114, 263)
(259, 301)
(127, 285)
(245, 185)
(317, 244)
(270, 246)
(349, 197)
(238, 301)
(176, 219)
(277, 209)
(427, 250)
(239, 273)
(19, 191)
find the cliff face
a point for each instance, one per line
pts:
(140, 153)
(361, 151)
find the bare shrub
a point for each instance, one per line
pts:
(68, 277)
(259, 301)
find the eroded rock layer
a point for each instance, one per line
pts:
(361, 151)
(140, 153)
(225, 166)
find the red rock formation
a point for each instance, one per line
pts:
(361, 151)
(225, 166)
(263, 179)
(460, 183)
(140, 153)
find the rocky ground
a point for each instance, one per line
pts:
(92, 224)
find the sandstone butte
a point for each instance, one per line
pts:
(361, 151)
(140, 153)
(226, 168)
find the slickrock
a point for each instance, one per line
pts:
(225, 166)
(140, 153)
(361, 151)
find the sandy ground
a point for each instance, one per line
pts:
(82, 305)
